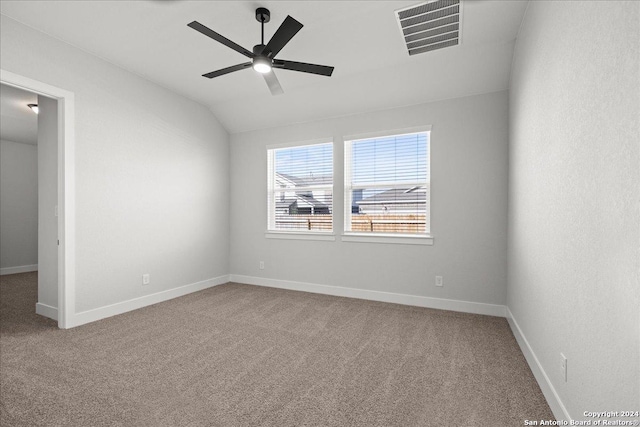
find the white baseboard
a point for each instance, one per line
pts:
(555, 403)
(18, 269)
(418, 301)
(47, 311)
(133, 304)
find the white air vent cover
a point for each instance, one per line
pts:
(430, 26)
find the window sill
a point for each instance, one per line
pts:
(388, 238)
(300, 235)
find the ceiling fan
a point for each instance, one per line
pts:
(263, 56)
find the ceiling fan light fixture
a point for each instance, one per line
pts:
(262, 64)
(34, 107)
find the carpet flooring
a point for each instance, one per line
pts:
(240, 355)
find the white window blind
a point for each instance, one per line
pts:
(387, 187)
(300, 188)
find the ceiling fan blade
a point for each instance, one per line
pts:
(273, 83)
(283, 34)
(219, 38)
(227, 70)
(322, 70)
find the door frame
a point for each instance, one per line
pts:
(66, 189)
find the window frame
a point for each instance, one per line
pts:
(425, 238)
(271, 231)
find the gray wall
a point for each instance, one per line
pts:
(152, 174)
(18, 204)
(47, 201)
(573, 198)
(469, 207)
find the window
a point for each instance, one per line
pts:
(387, 185)
(300, 188)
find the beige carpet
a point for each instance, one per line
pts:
(240, 355)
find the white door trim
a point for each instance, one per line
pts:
(66, 188)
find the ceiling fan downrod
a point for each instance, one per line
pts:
(262, 16)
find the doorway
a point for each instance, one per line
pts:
(29, 196)
(62, 189)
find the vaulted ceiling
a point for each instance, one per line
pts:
(361, 39)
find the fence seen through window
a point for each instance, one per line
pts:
(300, 188)
(387, 184)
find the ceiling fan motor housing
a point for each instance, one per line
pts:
(259, 50)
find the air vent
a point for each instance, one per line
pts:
(430, 26)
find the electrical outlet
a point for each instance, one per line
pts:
(261, 265)
(146, 279)
(564, 367)
(439, 281)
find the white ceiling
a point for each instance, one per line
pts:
(360, 38)
(17, 122)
